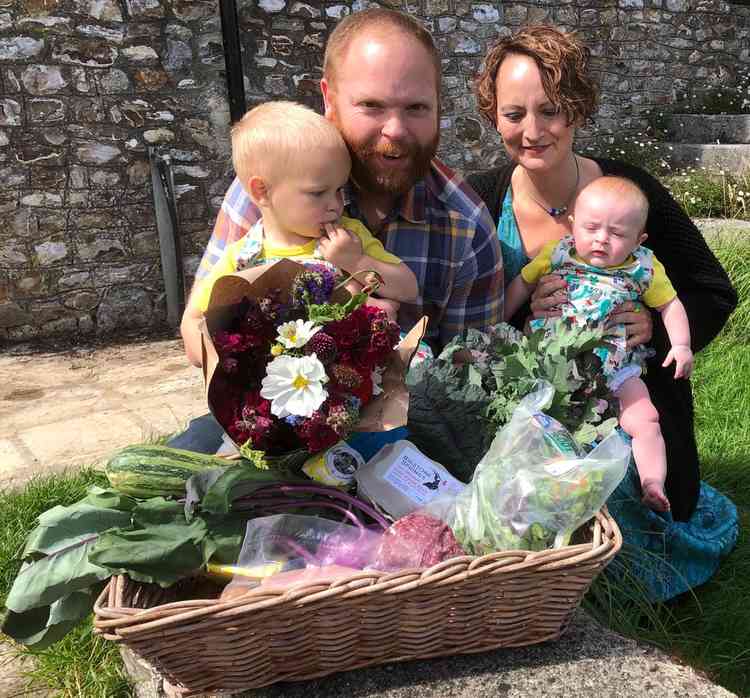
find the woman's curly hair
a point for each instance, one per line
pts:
(563, 62)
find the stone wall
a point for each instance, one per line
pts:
(88, 85)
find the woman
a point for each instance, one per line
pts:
(536, 89)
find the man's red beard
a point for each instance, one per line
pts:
(369, 175)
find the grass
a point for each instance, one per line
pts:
(81, 665)
(710, 628)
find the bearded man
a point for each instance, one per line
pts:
(381, 87)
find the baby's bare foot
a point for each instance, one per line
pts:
(653, 495)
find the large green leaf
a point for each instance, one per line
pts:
(225, 536)
(62, 527)
(43, 581)
(237, 481)
(160, 554)
(43, 626)
(157, 511)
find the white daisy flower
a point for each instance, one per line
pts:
(294, 385)
(294, 335)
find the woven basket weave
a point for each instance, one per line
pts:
(460, 606)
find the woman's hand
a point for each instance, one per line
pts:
(550, 293)
(639, 325)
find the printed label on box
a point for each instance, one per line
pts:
(418, 478)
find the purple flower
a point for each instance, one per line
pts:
(313, 286)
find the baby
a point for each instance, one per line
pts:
(604, 264)
(294, 164)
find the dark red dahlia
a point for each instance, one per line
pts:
(315, 433)
(323, 346)
(346, 376)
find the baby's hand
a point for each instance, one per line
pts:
(682, 355)
(341, 248)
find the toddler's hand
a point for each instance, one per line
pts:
(341, 248)
(682, 355)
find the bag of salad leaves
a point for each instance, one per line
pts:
(534, 486)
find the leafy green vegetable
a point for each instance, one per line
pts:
(160, 553)
(459, 400)
(43, 626)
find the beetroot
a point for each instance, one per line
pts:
(416, 540)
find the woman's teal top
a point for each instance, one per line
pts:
(514, 256)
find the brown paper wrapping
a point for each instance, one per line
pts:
(387, 411)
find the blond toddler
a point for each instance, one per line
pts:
(294, 163)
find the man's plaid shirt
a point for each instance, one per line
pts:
(440, 228)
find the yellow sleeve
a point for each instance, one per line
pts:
(540, 265)
(227, 264)
(661, 290)
(371, 246)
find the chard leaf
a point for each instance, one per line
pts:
(43, 581)
(238, 481)
(196, 488)
(60, 528)
(156, 511)
(225, 534)
(43, 626)
(160, 554)
(108, 499)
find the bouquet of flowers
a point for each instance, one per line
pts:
(292, 361)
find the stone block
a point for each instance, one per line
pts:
(141, 9)
(19, 48)
(11, 314)
(43, 79)
(13, 176)
(150, 79)
(32, 284)
(88, 52)
(50, 252)
(42, 198)
(10, 113)
(98, 153)
(103, 10)
(42, 177)
(74, 279)
(127, 307)
(113, 81)
(100, 248)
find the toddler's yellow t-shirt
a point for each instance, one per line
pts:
(228, 262)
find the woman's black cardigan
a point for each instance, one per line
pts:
(701, 284)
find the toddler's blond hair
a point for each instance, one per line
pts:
(267, 139)
(621, 187)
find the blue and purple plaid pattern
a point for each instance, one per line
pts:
(441, 229)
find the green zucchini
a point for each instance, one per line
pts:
(157, 471)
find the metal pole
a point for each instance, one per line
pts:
(162, 182)
(233, 59)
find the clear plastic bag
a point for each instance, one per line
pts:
(284, 550)
(534, 486)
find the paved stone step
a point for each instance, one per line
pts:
(709, 128)
(727, 157)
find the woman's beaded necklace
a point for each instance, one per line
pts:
(557, 212)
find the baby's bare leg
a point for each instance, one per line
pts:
(639, 418)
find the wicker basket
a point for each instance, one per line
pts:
(460, 606)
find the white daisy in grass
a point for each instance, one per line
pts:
(296, 334)
(294, 385)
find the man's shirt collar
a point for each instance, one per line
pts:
(412, 206)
